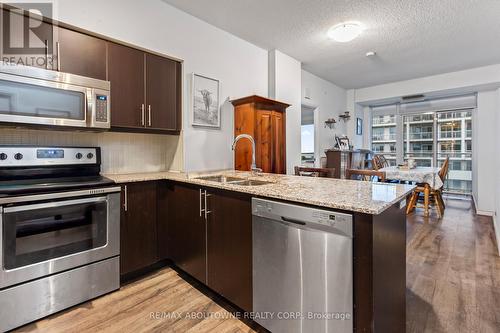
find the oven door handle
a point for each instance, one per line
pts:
(51, 196)
(24, 208)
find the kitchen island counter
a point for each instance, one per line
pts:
(379, 227)
(349, 195)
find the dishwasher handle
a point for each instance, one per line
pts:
(294, 221)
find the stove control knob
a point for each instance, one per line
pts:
(78, 155)
(18, 156)
(3, 156)
(90, 156)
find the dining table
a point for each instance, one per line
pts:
(428, 176)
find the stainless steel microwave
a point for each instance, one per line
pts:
(35, 96)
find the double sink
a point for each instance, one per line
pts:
(233, 180)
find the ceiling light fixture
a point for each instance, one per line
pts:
(345, 32)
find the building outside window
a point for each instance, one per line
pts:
(428, 137)
(307, 143)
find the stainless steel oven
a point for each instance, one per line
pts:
(35, 96)
(59, 231)
(49, 233)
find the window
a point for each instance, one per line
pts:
(307, 149)
(422, 132)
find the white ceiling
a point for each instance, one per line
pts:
(412, 38)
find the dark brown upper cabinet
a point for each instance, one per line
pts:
(126, 74)
(21, 48)
(80, 54)
(163, 92)
(146, 89)
(150, 99)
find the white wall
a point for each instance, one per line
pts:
(496, 215)
(285, 86)
(240, 66)
(483, 151)
(329, 101)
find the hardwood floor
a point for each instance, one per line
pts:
(452, 272)
(145, 306)
(453, 285)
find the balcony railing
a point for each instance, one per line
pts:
(454, 115)
(450, 134)
(384, 120)
(384, 137)
(422, 118)
(420, 136)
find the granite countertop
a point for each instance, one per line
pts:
(351, 195)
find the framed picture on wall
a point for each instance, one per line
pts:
(359, 126)
(343, 143)
(205, 101)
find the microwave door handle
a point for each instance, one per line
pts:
(89, 107)
(25, 208)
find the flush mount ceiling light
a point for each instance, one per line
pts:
(345, 32)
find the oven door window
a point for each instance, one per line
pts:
(40, 232)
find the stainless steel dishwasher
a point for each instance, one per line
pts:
(302, 268)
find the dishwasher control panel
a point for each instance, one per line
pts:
(301, 215)
(329, 218)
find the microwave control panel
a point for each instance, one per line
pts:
(101, 107)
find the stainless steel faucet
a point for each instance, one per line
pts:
(253, 167)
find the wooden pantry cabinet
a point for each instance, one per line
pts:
(265, 120)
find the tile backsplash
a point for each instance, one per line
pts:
(121, 152)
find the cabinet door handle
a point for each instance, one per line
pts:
(46, 54)
(143, 115)
(125, 199)
(206, 205)
(58, 56)
(201, 209)
(149, 115)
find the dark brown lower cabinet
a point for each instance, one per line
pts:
(167, 220)
(215, 248)
(187, 230)
(229, 246)
(138, 235)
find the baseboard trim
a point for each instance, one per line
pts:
(485, 213)
(481, 212)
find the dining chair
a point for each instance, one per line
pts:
(435, 196)
(315, 172)
(379, 162)
(365, 174)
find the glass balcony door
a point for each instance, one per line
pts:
(428, 137)
(419, 139)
